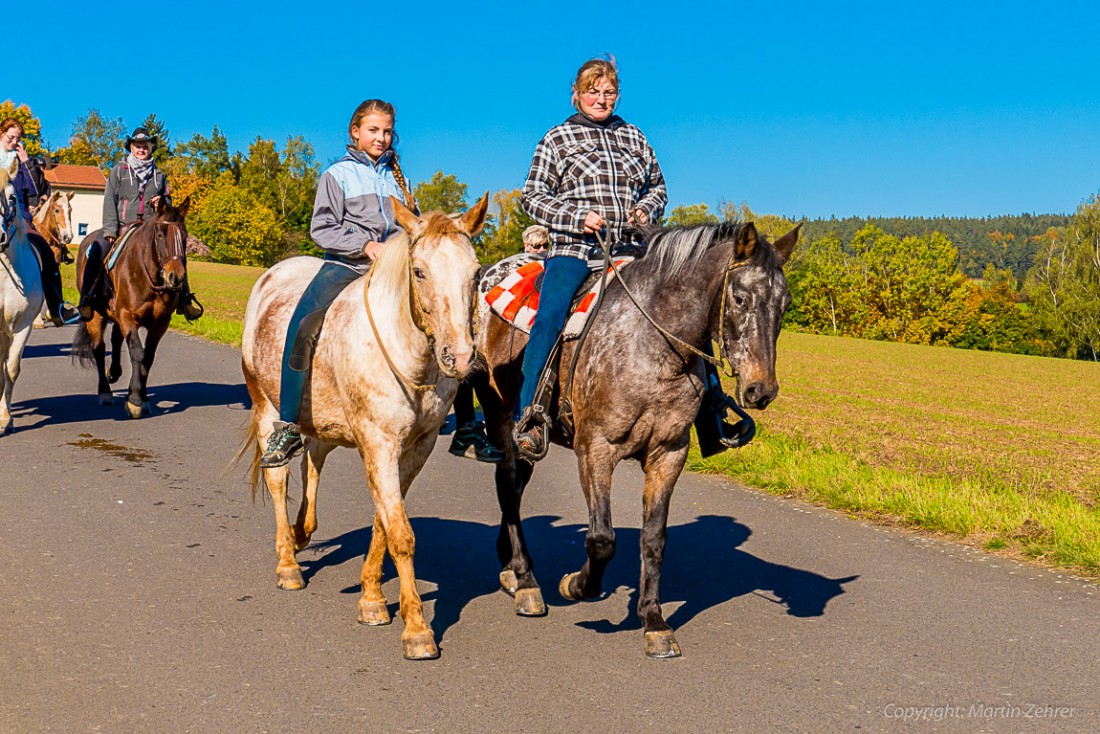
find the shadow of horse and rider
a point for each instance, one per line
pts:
(707, 569)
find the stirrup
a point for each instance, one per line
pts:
(191, 307)
(735, 435)
(532, 434)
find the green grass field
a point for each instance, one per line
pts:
(999, 451)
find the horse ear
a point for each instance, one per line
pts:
(184, 207)
(745, 243)
(474, 219)
(162, 205)
(409, 222)
(70, 195)
(784, 246)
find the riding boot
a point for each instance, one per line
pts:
(89, 283)
(282, 445)
(189, 306)
(51, 279)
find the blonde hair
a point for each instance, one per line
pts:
(380, 106)
(591, 72)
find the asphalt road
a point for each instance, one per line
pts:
(139, 596)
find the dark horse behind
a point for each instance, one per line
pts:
(636, 391)
(140, 289)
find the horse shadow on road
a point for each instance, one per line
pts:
(165, 399)
(703, 567)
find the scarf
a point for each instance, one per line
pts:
(142, 169)
(5, 157)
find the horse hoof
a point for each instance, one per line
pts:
(373, 613)
(106, 398)
(529, 603)
(301, 542)
(133, 410)
(6, 428)
(563, 587)
(508, 582)
(420, 647)
(661, 644)
(289, 579)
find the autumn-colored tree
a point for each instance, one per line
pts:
(96, 141)
(286, 183)
(505, 226)
(237, 228)
(32, 126)
(688, 214)
(1064, 285)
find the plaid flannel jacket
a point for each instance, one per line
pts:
(579, 166)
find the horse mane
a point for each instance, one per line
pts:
(390, 272)
(45, 208)
(673, 248)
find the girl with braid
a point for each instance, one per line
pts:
(352, 222)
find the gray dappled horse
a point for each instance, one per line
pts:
(635, 393)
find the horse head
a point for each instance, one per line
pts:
(9, 206)
(442, 276)
(753, 299)
(170, 242)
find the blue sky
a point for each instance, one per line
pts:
(797, 108)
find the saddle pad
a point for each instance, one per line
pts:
(116, 250)
(516, 298)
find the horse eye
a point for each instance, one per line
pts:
(739, 300)
(419, 274)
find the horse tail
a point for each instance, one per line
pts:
(251, 441)
(82, 346)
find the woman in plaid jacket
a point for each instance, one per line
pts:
(594, 173)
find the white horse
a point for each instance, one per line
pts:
(384, 374)
(20, 289)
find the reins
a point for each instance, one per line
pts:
(145, 266)
(418, 312)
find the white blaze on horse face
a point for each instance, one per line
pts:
(445, 281)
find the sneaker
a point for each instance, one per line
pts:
(282, 446)
(471, 442)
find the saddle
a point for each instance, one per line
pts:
(516, 298)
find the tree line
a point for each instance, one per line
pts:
(1028, 284)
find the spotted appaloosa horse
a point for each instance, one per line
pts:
(636, 392)
(385, 392)
(20, 290)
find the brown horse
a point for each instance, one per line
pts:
(385, 392)
(142, 282)
(637, 390)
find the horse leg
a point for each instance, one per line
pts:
(288, 574)
(12, 349)
(116, 353)
(517, 577)
(389, 481)
(595, 474)
(152, 340)
(373, 610)
(137, 359)
(95, 330)
(312, 463)
(662, 469)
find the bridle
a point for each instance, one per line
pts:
(419, 317)
(165, 253)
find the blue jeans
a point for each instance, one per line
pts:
(302, 332)
(560, 282)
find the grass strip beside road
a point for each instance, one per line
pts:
(1000, 451)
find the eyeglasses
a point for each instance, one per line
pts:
(594, 94)
(12, 137)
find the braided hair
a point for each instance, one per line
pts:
(385, 108)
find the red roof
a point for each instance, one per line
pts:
(79, 177)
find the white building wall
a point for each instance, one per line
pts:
(87, 211)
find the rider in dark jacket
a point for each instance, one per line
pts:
(134, 189)
(31, 187)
